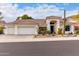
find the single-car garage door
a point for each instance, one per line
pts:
(27, 30)
(10, 30)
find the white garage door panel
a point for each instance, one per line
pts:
(27, 30)
(10, 30)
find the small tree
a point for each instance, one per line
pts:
(24, 17)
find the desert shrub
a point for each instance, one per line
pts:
(70, 33)
(49, 32)
(77, 32)
(53, 33)
(59, 31)
(42, 30)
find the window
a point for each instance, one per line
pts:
(67, 28)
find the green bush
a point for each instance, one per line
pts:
(1, 30)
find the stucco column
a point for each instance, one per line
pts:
(6, 30)
(57, 25)
(72, 29)
(36, 33)
(48, 25)
(16, 29)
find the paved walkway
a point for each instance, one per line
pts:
(14, 38)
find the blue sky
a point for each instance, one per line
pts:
(10, 11)
(67, 6)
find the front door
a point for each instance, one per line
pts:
(52, 29)
(52, 26)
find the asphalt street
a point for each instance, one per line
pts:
(53, 48)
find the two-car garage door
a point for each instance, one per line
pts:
(21, 30)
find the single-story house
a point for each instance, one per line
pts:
(31, 26)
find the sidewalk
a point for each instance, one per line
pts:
(4, 38)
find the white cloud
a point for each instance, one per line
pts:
(11, 11)
(43, 10)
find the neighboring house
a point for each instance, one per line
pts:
(31, 26)
(74, 23)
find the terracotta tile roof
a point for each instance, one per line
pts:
(53, 17)
(39, 22)
(26, 22)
